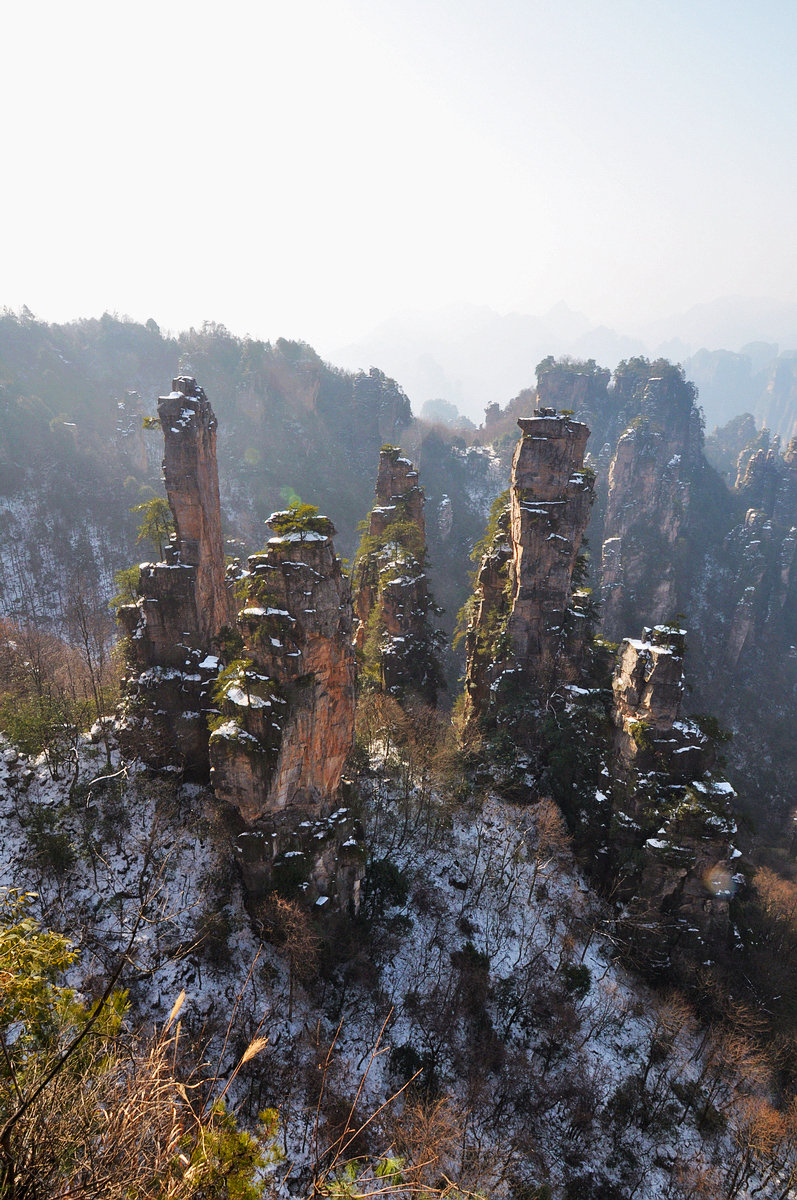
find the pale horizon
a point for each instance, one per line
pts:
(312, 171)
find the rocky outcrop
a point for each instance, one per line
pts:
(394, 634)
(529, 622)
(273, 673)
(672, 820)
(291, 713)
(648, 682)
(650, 490)
(183, 601)
(286, 725)
(192, 485)
(550, 500)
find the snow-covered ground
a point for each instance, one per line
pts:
(482, 953)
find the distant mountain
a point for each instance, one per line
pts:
(729, 323)
(473, 356)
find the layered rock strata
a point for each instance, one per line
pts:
(529, 620)
(673, 825)
(394, 632)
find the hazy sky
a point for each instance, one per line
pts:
(307, 168)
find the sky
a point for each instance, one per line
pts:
(308, 168)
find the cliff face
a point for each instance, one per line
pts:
(393, 605)
(671, 813)
(650, 489)
(550, 501)
(528, 622)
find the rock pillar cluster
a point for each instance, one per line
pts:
(762, 554)
(529, 621)
(394, 633)
(266, 660)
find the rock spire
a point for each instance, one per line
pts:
(671, 811)
(529, 620)
(394, 635)
(266, 659)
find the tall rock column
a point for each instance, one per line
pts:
(286, 721)
(529, 620)
(394, 634)
(672, 821)
(651, 483)
(183, 601)
(192, 487)
(550, 501)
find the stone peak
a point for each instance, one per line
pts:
(547, 423)
(186, 385)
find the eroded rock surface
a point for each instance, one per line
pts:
(183, 601)
(286, 724)
(528, 621)
(394, 632)
(287, 718)
(648, 506)
(291, 727)
(671, 810)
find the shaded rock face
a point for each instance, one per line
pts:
(582, 388)
(671, 813)
(752, 579)
(527, 620)
(648, 683)
(393, 604)
(650, 490)
(485, 638)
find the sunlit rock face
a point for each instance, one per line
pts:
(648, 683)
(286, 725)
(192, 486)
(527, 620)
(648, 506)
(183, 601)
(291, 729)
